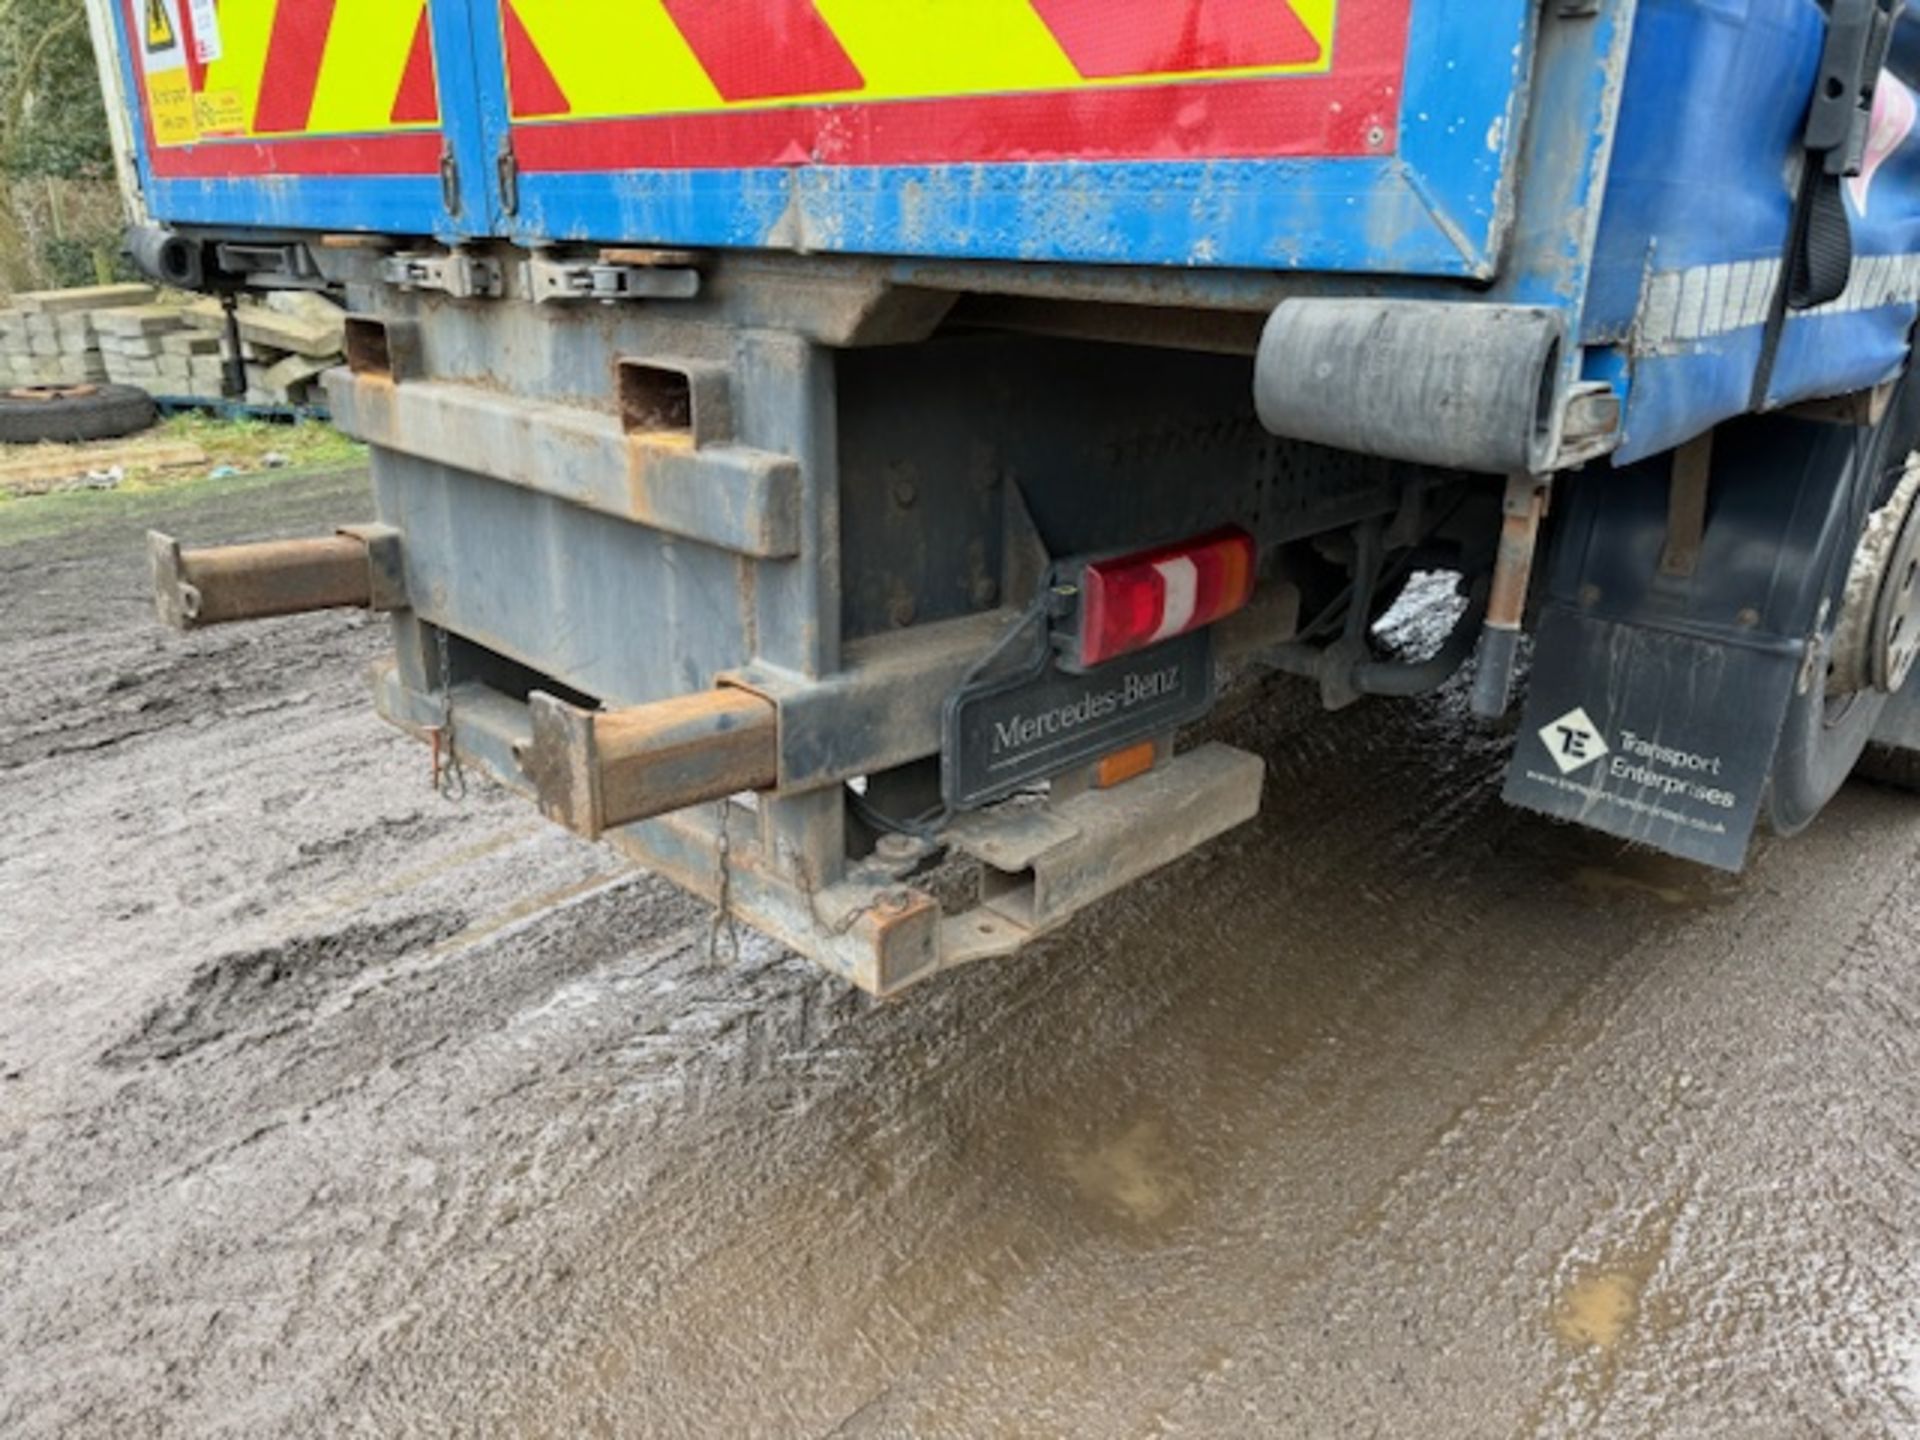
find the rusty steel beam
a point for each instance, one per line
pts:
(356, 568)
(1687, 507)
(1523, 510)
(596, 770)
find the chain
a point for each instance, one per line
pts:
(723, 921)
(449, 779)
(831, 928)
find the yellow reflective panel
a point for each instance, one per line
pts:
(947, 47)
(366, 56)
(627, 57)
(1317, 16)
(617, 57)
(245, 26)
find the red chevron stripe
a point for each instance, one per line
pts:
(530, 81)
(417, 101)
(765, 49)
(1109, 38)
(196, 67)
(292, 73)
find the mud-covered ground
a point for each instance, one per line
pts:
(331, 1107)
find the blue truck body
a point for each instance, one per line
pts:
(1673, 123)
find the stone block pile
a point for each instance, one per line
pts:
(49, 335)
(173, 349)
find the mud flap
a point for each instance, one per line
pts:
(1660, 738)
(1660, 687)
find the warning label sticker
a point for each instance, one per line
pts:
(163, 56)
(163, 29)
(206, 30)
(220, 112)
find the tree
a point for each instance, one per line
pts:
(52, 121)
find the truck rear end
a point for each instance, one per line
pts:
(831, 447)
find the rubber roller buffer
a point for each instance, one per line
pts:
(1461, 386)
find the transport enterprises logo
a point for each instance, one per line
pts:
(1574, 740)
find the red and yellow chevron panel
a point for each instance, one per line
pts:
(617, 84)
(292, 74)
(348, 86)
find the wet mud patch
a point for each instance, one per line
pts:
(255, 990)
(1608, 1305)
(1133, 1174)
(1645, 875)
(1598, 1309)
(394, 832)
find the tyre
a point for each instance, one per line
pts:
(1894, 768)
(1822, 744)
(1827, 734)
(32, 413)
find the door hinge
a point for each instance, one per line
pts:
(465, 277)
(507, 165)
(449, 180)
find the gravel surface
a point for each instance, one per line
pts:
(328, 1106)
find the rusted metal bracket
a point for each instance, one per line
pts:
(595, 770)
(607, 281)
(359, 567)
(1042, 864)
(1590, 424)
(731, 496)
(1523, 509)
(382, 348)
(1687, 507)
(465, 277)
(1862, 407)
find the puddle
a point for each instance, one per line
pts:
(1133, 1174)
(1607, 1303)
(1597, 1310)
(1673, 883)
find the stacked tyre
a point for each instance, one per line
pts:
(30, 414)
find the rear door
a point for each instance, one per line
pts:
(309, 114)
(1336, 135)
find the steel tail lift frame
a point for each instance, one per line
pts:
(691, 786)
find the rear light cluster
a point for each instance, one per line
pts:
(1133, 601)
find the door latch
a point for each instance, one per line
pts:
(608, 280)
(465, 277)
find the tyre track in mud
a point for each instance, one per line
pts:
(337, 1109)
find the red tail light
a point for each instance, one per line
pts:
(1134, 601)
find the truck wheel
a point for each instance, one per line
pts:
(1886, 765)
(32, 413)
(1892, 756)
(1824, 739)
(1870, 633)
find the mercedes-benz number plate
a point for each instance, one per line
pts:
(1002, 737)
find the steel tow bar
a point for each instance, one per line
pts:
(596, 770)
(356, 568)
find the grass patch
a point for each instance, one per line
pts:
(45, 515)
(180, 449)
(246, 444)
